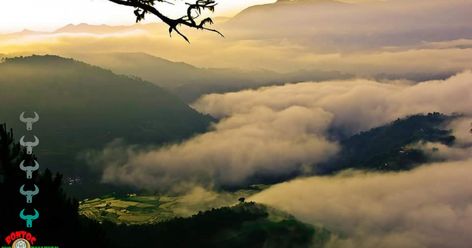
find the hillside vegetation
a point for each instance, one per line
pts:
(84, 107)
(243, 225)
(392, 147)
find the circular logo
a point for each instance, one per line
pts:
(21, 243)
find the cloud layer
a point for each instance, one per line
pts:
(263, 141)
(428, 207)
(356, 105)
(414, 39)
(280, 130)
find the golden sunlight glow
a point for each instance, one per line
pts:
(47, 15)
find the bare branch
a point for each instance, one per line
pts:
(194, 11)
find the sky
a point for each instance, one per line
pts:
(47, 15)
(360, 40)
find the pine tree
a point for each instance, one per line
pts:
(59, 222)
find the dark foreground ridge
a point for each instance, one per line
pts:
(85, 107)
(243, 225)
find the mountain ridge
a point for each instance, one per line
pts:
(84, 107)
(190, 82)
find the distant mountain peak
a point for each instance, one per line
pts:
(88, 28)
(27, 31)
(38, 59)
(308, 1)
(287, 7)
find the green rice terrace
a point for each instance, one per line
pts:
(146, 209)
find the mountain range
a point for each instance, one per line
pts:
(332, 25)
(190, 82)
(84, 107)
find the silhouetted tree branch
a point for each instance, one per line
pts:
(194, 11)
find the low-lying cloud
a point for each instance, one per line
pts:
(262, 141)
(462, 148)
(280, 130)
(428, 207)
(356, 105)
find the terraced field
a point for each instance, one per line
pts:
(142, 209)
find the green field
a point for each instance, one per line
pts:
(144, 209)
